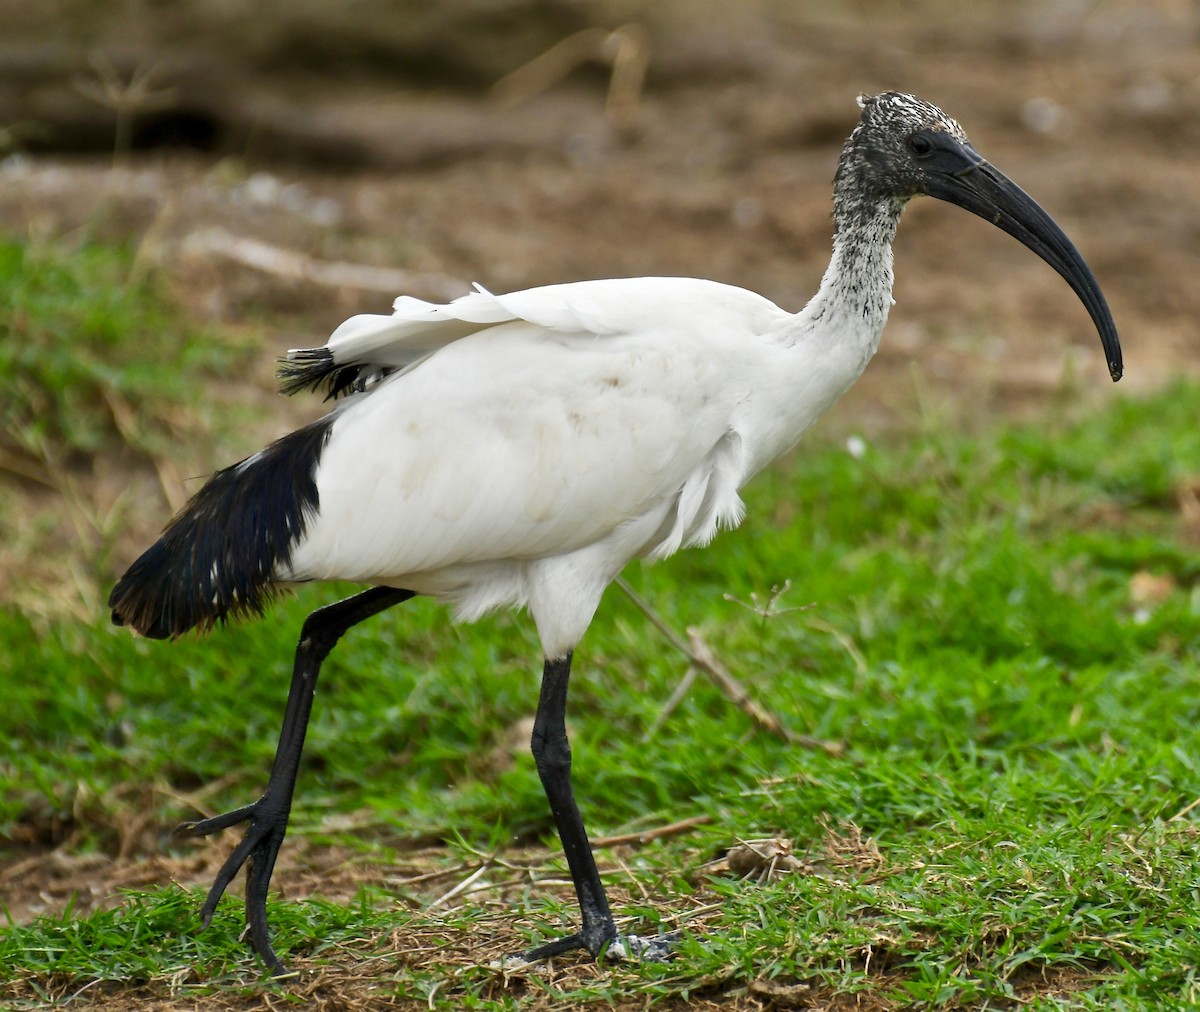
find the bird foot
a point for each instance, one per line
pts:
(622, 948)
(267, 822)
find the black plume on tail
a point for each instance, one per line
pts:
(215, 560)
(314, 369)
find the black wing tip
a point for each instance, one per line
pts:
(147, 601)
(158, 602)
(148, 618)
(217, 558)
(151, 632)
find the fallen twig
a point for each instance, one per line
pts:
(702, 657)
(657, 833)
(677, 697)
(286, 263)
(169, 479)
(462, 887)
(625, 49)
(706, 660)
(856, 655)
(1183, 812)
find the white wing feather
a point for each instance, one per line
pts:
(417, 327)
(533, 426)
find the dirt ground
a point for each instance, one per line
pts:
(301, 192)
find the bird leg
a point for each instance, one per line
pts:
(268, 816)
(552, 753)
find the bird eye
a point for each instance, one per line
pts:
(920, 145)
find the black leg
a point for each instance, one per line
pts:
(552, 752)
(268, 816)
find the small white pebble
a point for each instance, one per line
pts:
(747, 212)
(262, 188)
(1044, 116)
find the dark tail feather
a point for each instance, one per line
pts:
(314, 369)
(216, 559)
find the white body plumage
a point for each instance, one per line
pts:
(589, 424)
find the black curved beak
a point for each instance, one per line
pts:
(958, 174)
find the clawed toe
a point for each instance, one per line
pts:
(206, 827)
(259, 846)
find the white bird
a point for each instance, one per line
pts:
(520, 449)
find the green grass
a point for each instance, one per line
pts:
(92, 352)
(1019, 730)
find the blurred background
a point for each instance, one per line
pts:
(279, 165)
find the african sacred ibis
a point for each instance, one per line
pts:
(521, 449)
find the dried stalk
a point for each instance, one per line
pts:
(702, 657)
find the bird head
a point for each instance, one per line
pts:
(904, 147)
